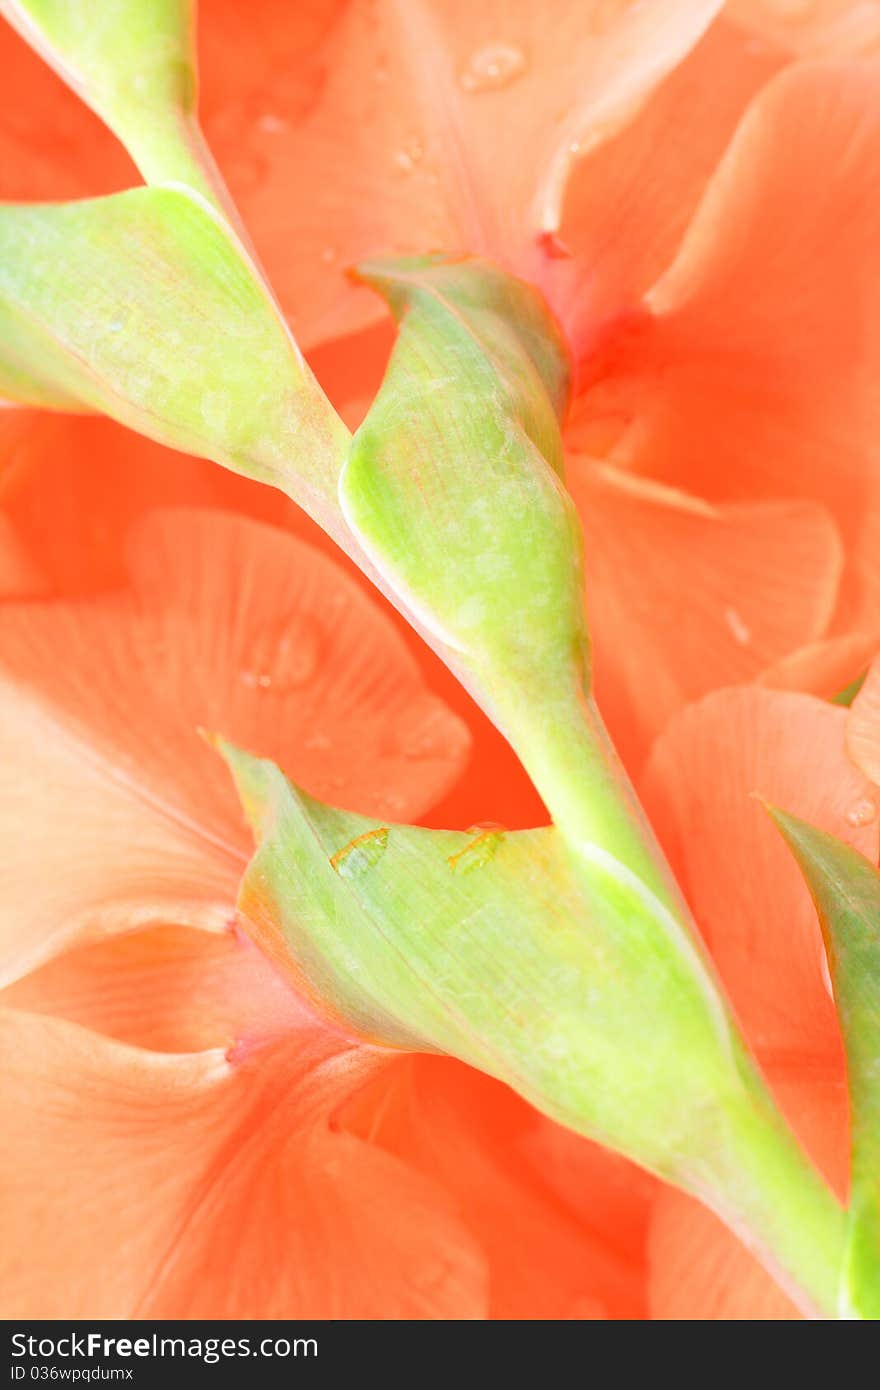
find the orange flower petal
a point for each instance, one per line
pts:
(863, 726)
(228, 625)
(168, 989)
(629, 203)
(19, 576)
(823, 27)
(139, 1184)
(755, 372)
(415, 126)
(701, 1273)
(744, 886)
(685, 597)
(51, 145)
(73, 485)
(545, 1260)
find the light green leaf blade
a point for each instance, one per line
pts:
(134, 63)
(496, 948)
(143, 305)
(453, 483)
(846, 890)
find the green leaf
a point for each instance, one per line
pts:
(846, 890)
(477, 944)
(453, 483)
(133, 62)
(143, 305)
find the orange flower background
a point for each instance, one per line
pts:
(186, 1137)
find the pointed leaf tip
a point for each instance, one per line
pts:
(453, 484)
(845, 888)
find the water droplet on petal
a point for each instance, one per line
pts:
(492, 67)
(361, 853)
(739, 629)
(284, 656)
(479, 851)
(256, 680)
(271, 124)
(407, 158)
(863, 812)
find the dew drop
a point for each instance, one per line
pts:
(739, 629)
(478, 851)
(285, 656)
(361, 853)
(271, 124)
(256, 680)
(407, 158)
(492, 67)
(328, 255)
(863, 812)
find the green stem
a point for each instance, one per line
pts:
(765, 1189)
(752, 1171)
(566, 750)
